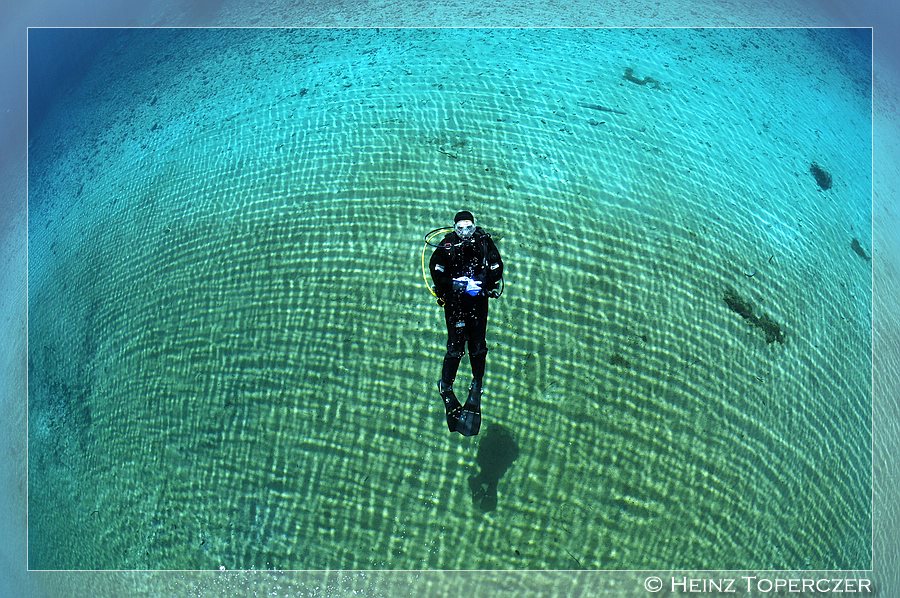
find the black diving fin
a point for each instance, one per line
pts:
(451, 405)
(469, 421)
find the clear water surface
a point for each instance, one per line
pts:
(233, 356)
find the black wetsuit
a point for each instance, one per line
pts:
(466, 316)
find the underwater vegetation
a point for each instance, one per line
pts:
(823, 179)
(858, 249)
(496, 453)
(742, 307)
(629, 76)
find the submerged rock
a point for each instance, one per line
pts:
(617, 360)
(772, 330)
(738, 304)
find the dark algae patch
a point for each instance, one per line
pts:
(823, 178)
(743, 308)
(858, 250)
(738, 305)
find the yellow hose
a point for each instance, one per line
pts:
(428, 237)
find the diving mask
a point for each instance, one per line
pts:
(465, 229)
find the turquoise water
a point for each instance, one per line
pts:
(232, 355)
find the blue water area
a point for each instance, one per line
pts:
(58, 59)
(233, 354)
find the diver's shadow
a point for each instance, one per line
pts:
(496, 453)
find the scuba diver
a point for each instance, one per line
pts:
(466, 269)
